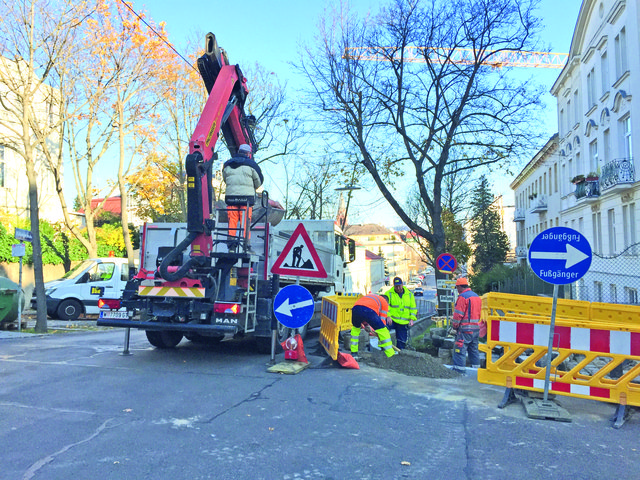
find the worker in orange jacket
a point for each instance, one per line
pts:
(373, 310)
(466, 322)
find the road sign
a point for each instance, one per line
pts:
(446, 298)
(560, 255)
(440, 283)
(23, 235)
(293, 306)
(299, 257)
(446, 263)
(18, 250)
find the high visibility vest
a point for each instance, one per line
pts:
(467, 310)
(402, 309)
(376, 303)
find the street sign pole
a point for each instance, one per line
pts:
(20, 297)
(552, 325)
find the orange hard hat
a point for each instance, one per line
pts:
(462, 281)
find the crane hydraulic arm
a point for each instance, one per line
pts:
(224, 110)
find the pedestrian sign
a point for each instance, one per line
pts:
(560, 255)
(293, 306)
(446, 263)
(299, 257)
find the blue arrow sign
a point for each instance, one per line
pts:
(293, 306)
(560, 255)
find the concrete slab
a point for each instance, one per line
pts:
(541, 410)
(289, 367)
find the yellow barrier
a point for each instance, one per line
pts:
(336, 317)
(597, 346)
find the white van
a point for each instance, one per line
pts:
(80, 289)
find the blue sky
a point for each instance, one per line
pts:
(269, 33)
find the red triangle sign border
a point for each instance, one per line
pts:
(277, 267)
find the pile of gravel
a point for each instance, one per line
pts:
(408, 362)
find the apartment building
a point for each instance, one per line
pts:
(14, 187)
(585, 176)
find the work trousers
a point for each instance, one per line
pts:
(360, 314)
(402, 333)
(466, 341)
(235, 214)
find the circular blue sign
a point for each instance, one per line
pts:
(293, 306)
(446, 263)
(560, 255)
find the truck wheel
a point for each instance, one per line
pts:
(164, 339)
(69, 309)
(285, 332)
(263, 345)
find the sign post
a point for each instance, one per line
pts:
(446, 263)
(559, 256)
(19, 250)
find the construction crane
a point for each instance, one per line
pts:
(461, 56)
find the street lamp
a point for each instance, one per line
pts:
(350, 189)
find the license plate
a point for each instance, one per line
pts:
(114, 314)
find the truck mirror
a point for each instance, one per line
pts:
(352, 249)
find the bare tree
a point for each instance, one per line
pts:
(417, 121)
(35, 36)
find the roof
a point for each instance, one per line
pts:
(367, 229)
(112, 205)
(369, 255)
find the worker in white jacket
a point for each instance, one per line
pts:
(243, 177)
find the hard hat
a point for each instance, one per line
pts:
(244, 148)
(462, 281)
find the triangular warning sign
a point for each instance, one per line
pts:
(299, 257)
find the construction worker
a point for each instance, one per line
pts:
(243, 177)
(402, 310)
(372, 310)
(466, 322)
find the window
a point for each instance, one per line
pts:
(597, 233)
(593, 156)
(561, 122)
(576, 106)
(621, 53)
(555, 177)
(604, 73)
(631, 295)
(632, 230)
(581, 224)
(613, 293)
(597, 286)
(626, 147)
(611, 223)
(606, 147)
(569, 124)
(591, 89)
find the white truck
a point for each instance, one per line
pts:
(80, 289)
(238, 301)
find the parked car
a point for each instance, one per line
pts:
(418, 292)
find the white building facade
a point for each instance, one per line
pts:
(586, 179)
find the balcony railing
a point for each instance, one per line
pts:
(539, 204)
(618, 174)
(589, 189)
(521, 252)
(519, 215)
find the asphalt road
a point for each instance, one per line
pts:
(72, 407)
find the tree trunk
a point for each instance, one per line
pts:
(41, 302)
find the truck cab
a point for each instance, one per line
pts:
(80, 289)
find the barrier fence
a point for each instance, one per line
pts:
(596, 347)
(336, 317)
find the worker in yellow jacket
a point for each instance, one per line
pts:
(402, 310)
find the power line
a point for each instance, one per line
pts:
(157, 34)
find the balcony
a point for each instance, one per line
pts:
(588, 190)
(521, 252)
(539, 204)
(617, 175)
(518, 215)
